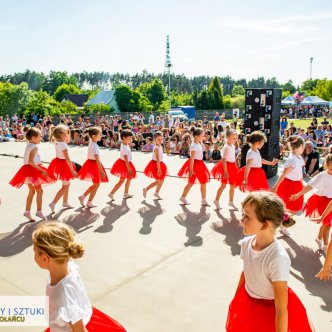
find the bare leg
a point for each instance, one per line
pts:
(186, 190)
(39, 191)
(203, 191)
(320, 233)
(87, 192)
(127, 185)
(326, 234)
(160, 183)
(93, 191)
(30, 197)
(220, 191)
(65, 193)
(231, 193)
(117, 186)
(153, 184)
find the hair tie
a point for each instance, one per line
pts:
(285, 217)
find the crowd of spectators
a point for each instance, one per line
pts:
(177, 134)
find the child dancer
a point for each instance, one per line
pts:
(69, 306)
(195, 168)
(61, 167)
(263, 301)
(123, 167)
(32, 173)
(318, 202)
(290, 181)
(92, 170)
(252, 177)
(156, 168)
(226, 170)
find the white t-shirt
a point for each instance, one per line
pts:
(322, 182)
(151, 119)
(160, 152)
(59, 148)
(170, 122)
(228, 152)
(263, 267)
(296, 163)
(28, 149)
(93, 150)
(197, 147)
(68, 301)
(125, 151)
(256, 158)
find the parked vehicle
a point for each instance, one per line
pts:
(178, 113)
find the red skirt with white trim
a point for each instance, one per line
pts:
(286, 189)
(151, 170)
(59, 170)
(200, 175)
(101, 322)
(120, 170)
(247, 314)
(217, 172)
(315, 207)
(257, 180)
(90, 172)
(28, 174)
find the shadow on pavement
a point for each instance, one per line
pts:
(306, 261)
(112, 213)
(230, 227)
(193, 222)
(149, 214)
(82, 220)
(18, 240)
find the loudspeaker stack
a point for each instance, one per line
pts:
(262, 112)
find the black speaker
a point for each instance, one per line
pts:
(262, 112)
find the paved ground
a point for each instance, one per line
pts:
(153, 266)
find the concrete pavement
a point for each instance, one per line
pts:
(152, 265)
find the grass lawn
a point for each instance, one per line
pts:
(303, 123)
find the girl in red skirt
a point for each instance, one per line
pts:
(290, 181)
(61, 167)
(195, 169)
(32, 173)
(92, 170)
(123, 167)
(252, 177)
(156, 168)
(54, 245)
(317, 203)
(263, 302)
(226, 170)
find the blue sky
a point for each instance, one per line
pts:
(241, 38)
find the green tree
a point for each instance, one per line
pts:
(238, 90)
(289, 86)
(155, 92)
(215, 95)
(308, 86)
(56, 78)
(13, 98)
(65, 107)
(65, 89)
(123, 95)
(40, 103)
(227, 102)
(323, 89)
(98, 108)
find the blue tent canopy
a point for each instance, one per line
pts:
(288, 101)
(313, 100)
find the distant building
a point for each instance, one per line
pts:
(105, 97)
(78, 100)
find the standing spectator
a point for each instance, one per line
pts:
(151, 119)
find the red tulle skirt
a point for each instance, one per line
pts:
(59, 170)
(218, 172)
(247, 314)
(315, 207)
(90, 172)
(120, 170)
(200, 175)
(27, 174)
(256, 180)
(100, 322)
(151, 170)
(286, 189)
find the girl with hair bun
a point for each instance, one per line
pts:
(54, 245)
(318, 202)
(291, 180)
(263, 302)
(61, 167)
(252, 177)
(194, 169)
(92, 170)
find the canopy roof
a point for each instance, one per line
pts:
(288, 101)
(313, 100)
